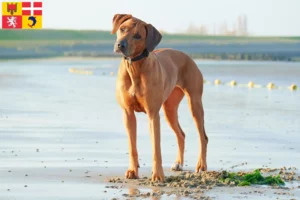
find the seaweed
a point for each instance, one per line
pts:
(246, 179)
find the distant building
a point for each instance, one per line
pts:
(195, 30)
(242, 29)
(239, 29)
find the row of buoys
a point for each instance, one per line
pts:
(86, 71)
(251, 84)
(80, 71)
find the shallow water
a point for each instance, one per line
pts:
(55, 126)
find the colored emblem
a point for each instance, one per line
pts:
(33, 19)
(22, 15)
(11, 8)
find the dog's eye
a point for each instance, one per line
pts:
(122, 29)
(137, 36)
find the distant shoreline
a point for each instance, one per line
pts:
(44, 43)
(64, 58)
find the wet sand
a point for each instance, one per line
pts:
(62, 136)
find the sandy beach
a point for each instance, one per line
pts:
(62, 135)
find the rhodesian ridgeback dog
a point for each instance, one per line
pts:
(149, 79)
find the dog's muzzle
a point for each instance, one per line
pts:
(121, 46)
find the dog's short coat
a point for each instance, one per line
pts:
(148, 81)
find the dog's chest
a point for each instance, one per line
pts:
(133, 97)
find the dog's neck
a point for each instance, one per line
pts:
(144, 54)
(135, 68)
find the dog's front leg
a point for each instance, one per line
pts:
(157, 170)
(130, 125)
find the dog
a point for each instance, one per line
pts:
(149, 79)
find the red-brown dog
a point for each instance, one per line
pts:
(149, 79)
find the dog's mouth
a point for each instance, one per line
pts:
(117, 50)
(124, 52)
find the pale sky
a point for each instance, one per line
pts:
(265, 17)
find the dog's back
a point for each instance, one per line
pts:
(178, 61)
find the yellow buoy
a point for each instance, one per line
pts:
(293, 87)
(271, 85)
(233, 83)
(71, 70)
(217, 82)
(251, 84)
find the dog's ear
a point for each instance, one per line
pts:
(153, 37)
(118, 20)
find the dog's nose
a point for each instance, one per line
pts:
(122, 44)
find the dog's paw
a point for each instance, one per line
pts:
(176, 167)
(158, 175)
(201, 166)
(131, 174)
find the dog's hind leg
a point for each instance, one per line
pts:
(170, 108)
(195, 103)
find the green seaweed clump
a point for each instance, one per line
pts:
(246, 179)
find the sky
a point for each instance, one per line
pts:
(265, 17)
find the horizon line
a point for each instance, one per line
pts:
(162, 31)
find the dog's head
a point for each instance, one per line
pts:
(134, 35)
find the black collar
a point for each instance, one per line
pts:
(139, 57)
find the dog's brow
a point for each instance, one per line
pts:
(136, 27)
